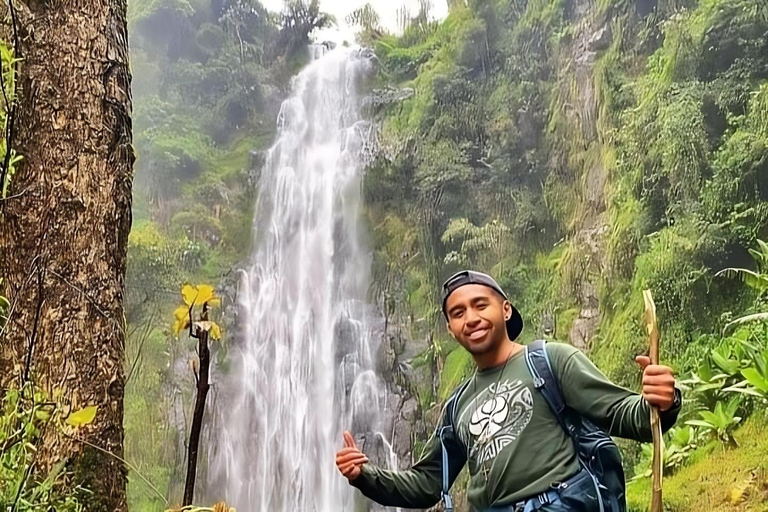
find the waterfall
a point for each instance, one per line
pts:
(303, 370)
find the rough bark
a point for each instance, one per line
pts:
(64, 229)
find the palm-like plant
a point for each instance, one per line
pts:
(755, 279)
(721, 421)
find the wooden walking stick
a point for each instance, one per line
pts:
(658, 465)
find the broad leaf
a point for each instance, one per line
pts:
(180, 325)
(82, 417)
(204, 293)
(727, 365)
(181, 313)
(743, 387)
(754, 378)
(189, 294)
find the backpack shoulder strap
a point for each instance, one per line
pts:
(447, 426)
(451, 405)
(545, 381)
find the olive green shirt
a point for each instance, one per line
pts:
(515, 447)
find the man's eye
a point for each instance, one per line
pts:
(458, 314)
(482, 306)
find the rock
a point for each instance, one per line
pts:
(256, 161)
(410, 409)
(601, 39)
(388, 95)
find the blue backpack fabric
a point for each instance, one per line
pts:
(597, 452)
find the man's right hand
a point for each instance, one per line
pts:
(350, 459)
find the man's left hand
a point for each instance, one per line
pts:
(658, 383)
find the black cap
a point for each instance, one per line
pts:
(459, 279)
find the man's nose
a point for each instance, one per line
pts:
(472, 317)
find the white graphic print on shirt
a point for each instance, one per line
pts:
(497, 421)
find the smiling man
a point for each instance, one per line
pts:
(519, 457)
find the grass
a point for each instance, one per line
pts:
(716, 479)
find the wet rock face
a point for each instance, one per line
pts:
(256, 161)
(386, 96)
(601, 39)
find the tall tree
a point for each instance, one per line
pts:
(64, 227)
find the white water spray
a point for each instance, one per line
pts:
(305, 370)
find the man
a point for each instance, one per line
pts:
(512, 441)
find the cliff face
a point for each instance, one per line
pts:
(579, 152)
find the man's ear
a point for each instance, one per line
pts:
(507, 310)
(448, 326)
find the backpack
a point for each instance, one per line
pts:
(597, 452)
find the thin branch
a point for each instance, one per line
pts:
(144, 338)
(89, 299)
(27, 279)
(38, 311)
(15, 196)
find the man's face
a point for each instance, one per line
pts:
(476, 318)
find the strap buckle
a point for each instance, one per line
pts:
(448, 502)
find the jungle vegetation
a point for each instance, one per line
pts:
(580, 152)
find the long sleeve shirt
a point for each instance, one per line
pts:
(509, 437)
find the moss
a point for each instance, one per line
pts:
(716, 479)
(565, 321)
(457, 367)
(89, 469)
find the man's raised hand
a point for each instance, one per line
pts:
(658, 383)
(350, 459)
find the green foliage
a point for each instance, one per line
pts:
(721, 421)
(458, 366)
(678, 446)
(24, 417)
(8, 63)
(643, 170)
(714, 479)
(478, 245)
(565, 172)
(757, 280)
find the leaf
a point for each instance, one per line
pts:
(757, 317)
(215, 331)
(42, 414)
(710, 386)
(189, 294)
(181, 313)
(754, 378)
(744, 387)
(699, 423)
(82, 417)
(727, 365)
(205, 293)
(712, 418)
(180, 325)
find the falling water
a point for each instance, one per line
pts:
(305, 368)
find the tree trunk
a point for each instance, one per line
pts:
(64, 228)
